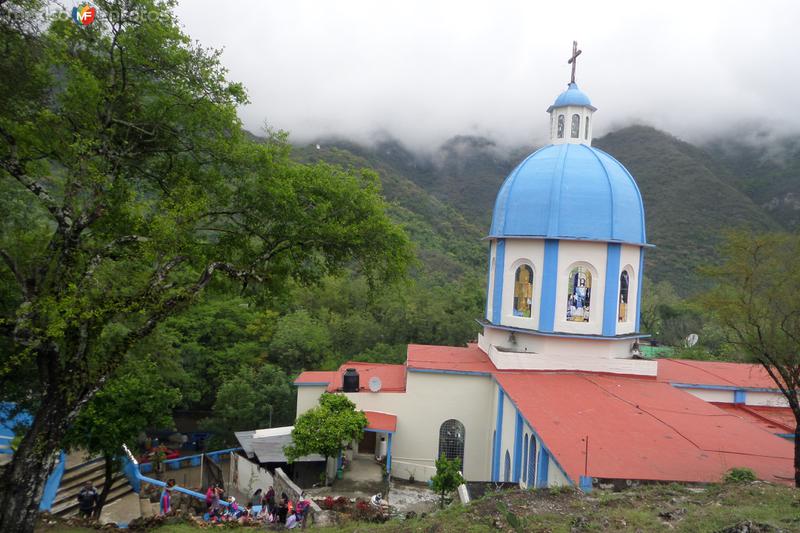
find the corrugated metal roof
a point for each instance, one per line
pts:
(267, 445)
(714, 373)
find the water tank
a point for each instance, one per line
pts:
(350, 382)
(380, 449)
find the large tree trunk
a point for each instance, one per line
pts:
(23, 480)
(109, 475)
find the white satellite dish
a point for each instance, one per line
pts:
(375, 384)
(692, 339)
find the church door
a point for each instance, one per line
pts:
(367, 444)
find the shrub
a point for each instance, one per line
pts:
(739, 475)
(328, 503)
(341, 503)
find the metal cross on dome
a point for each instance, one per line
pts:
(574, 59)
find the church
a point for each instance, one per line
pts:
(555, 391)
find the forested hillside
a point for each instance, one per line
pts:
(691, 194)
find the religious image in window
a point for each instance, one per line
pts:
(623, 297)
(579, 294)
(523, 291)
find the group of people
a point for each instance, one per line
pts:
(280, 511)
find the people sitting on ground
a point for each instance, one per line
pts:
(298, 517)
(268, 504)
(87, 499)
(379, 503)
(283, 508)
(165, 505)
(256, 499)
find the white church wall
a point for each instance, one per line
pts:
(519, 252)
(490, 279)
(431, 399)
(629, 260)
(711, 395)
(555, 476)
(767, 399)
(509, 428)
(568, 111)
(570, 255)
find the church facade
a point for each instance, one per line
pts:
(555, 391)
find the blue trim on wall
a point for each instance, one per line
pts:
(315, 384)
(586, 483)
(787, 436)
(389, 455)
(547, 302)
(498, 437)
(52, 483)
(497, 288)
(611, 298)
(640, 275)
(739, 396)
(517, 448)
(488, 281)
(542, 468)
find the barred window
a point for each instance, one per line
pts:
(451, 440)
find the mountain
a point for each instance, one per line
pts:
(691, 195)
(767, 169)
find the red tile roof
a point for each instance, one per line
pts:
(315, 378)
(641, 429)
(712, 373)
(449, 358)
(381, 421)
(393, 377)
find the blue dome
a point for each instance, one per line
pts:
(572, 96)
(570, 191)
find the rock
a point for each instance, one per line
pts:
(673, 514)
(748, 526)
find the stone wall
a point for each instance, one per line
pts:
(282, 483)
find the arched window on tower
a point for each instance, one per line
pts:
(624, 282)
(576, 126)
(579, 294)
(586, 136)
(560, 126)
(523, 291)
(451, 440)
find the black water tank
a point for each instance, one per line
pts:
(350, 382)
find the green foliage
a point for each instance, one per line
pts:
(447, 478)
(739, 475)
(326, 428)
(135, 398)
(252, 399)
(300, 342)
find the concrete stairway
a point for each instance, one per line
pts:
(66, 501)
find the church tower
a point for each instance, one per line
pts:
(566, 254)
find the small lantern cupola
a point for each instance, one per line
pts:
(571, 113)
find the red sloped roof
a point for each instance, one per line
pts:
(315, 377)
(772, 419)
(641, 429)
(449, 358)
(713, 373)
(381, 421)
(393, 377)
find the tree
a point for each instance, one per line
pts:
(252, 399)
(300, 342)
(131, 187)
(447, 478)
(326, 429)
(755, 302)
(134, 399)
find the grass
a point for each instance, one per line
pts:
(652, 508)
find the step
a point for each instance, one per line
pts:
(71, 493)
(119, 489)
(78, 479)
(146, 507)
(81, 470)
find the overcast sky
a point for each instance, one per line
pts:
(427, 70)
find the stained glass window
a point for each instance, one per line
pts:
(576, 126)
(624, 282)
(560, 126)
(451, 440)
(523, 291)
(579, 294)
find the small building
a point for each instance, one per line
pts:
(554, 391)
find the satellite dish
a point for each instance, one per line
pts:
(692, 339)
(375, 384)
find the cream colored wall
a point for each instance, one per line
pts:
(555, 477)
(711, 395)
(518, 252)
(557, 346)
(629, 260)
(431, 399)
(570, 255)
(772, 399)
(308, 397)
(507, 444)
